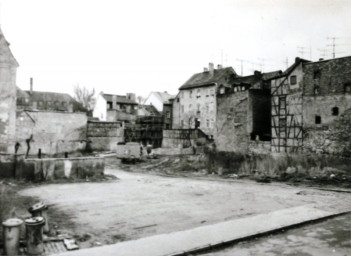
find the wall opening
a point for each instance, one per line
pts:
(260, 101)
(335, 111)
(318, 120)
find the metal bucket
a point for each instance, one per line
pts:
(11, 235)
(40, 210)
(34, 235)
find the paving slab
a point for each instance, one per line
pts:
(177, 243)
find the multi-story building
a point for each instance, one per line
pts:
(195, 104)
(111, 107)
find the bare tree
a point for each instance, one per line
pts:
(84, 96)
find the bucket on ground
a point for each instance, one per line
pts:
(40, 209)
(34, 235)
(11, 236)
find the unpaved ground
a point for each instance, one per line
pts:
(139, 204)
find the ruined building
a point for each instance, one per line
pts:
(243, 114)
(8, 68)
(195, 104)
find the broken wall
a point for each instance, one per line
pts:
(8, 68)
(53, 132)
(104, 136)
(233, 123)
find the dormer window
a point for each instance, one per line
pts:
(221, 90)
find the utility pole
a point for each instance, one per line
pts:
(333, 44)
(286, 62)
(261, 63)
(241, 65)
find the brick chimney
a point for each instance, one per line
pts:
(211, 67)
(31, 85)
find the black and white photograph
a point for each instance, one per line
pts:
(175, 127)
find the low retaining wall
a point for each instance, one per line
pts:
(58, 168)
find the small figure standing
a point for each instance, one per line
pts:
(17, 145)
(28, 144)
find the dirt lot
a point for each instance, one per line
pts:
(141, 204)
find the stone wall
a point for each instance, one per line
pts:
(330, 138)
(183, 138)
(104, 136)
(8, 67)
(58, 168)
(327, 77)
(232, 122)
(53, 132)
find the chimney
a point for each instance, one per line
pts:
(31, 85)
(320, 59)
(211, 67)
(131, 96)
(114, 102)
(205, 69)
(219, 66)
(257, 73)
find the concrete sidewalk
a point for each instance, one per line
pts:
(177, 243)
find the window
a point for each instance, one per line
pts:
(49, 103)
(168, 114)
(182, 123)
(318, 120)
(26, 100)
(335, 111)
(292, 80)
(109, 105)
(198, 108)
(221, 90)
(235, 89)
(191, 94)
(316, 90)
(57, 104)
(207, 108)
(242, 88)
(317, 74)
(198, 95)
(347, 88)
(207, 123)
(207, 92)
(40, 103)
(182, 109)
(64, 104)
(178, 99)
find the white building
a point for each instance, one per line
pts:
(157, 99)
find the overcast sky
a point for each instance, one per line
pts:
(156, 45)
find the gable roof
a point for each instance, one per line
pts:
(162, 96)
(256, 78)
(207, 78)
(119, 98)
(7, 56)
(149, 110)
(44, 96)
